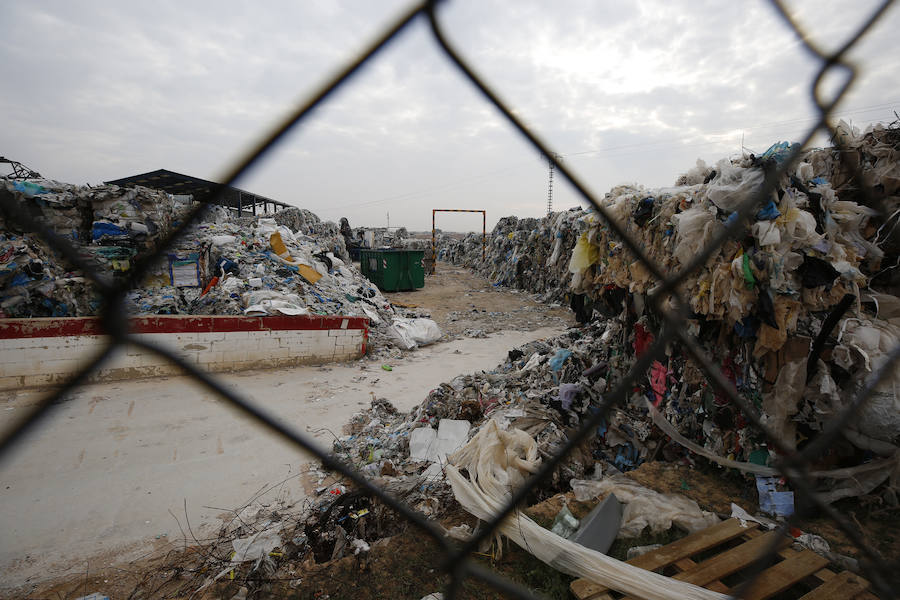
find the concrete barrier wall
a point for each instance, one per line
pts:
(35, 352)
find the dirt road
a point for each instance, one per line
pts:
(110, 475)
(464, 304)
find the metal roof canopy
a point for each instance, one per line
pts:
(201, 189)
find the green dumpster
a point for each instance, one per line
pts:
(393, 270)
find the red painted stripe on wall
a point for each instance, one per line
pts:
(56, 327)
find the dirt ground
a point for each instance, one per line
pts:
(463, 303)
(410, 565)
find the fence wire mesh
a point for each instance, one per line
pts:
(794, 465)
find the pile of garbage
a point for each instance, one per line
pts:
(289, 263)
(759, 302)
(796, 313)
(533, 400)
(110, 226)
(762, 308)
(527, 254)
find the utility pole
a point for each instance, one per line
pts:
(550, 181)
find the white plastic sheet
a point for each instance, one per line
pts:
(497, 462)
(645, 507)
(733, 185)
(255, 546)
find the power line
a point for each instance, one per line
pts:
(450, 185)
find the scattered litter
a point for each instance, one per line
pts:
(645, 508)
(772, 501)
(565, 524)
(256, 546)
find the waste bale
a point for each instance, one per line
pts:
(758, 302)
(133, 217)
(35, 281)
(527, 254)
(304, 222)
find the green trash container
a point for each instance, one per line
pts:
(394, 270)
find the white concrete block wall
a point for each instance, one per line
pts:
(51, 359)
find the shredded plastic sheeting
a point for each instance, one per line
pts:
(645, 507)
(497, 462)
(528, 254)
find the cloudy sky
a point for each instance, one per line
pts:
(624, 91)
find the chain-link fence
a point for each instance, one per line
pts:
(881, 571)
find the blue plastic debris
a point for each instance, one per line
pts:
(29, 188)
(627, 457)
(558, 359)
(731, 218)
(103, 228)
(779, 151)
(747, 327)
(768, 212)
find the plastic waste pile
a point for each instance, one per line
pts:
(110, 225)
(290, 263)
(305, 222)
(257, 267)
(539, 389)
(416, 244)
(527, 254)
(758, 304)
(546, 388)
(242, 273)
(35, 281)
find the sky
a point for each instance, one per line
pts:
(624, 92)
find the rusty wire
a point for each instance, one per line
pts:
(794, 465)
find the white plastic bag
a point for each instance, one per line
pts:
(411, 333)
(733, 186)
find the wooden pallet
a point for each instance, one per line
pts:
(736, 548)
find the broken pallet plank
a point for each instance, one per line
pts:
(842, 586)
(686, 564)
(697, 542)
(823, 575)
(733, 560)
(785, 574)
